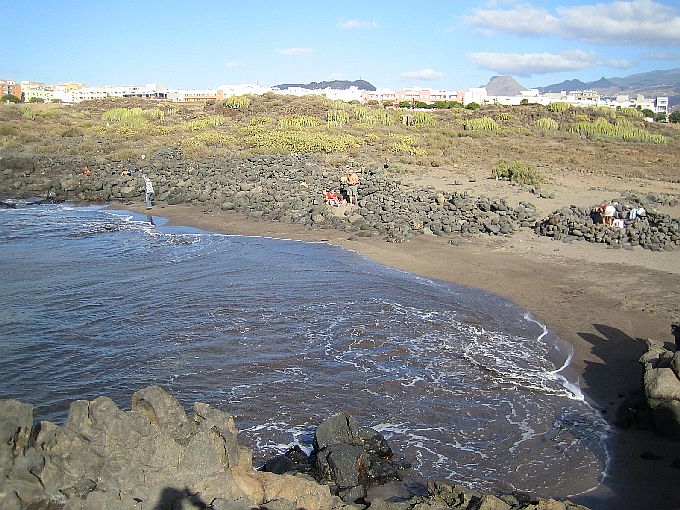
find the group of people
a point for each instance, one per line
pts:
(335, 199)
(612, 215)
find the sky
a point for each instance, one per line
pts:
(452, 45)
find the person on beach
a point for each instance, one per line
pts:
(352, 187)
(148, 188)
(332, 198)
(609, 213)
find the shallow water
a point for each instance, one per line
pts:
(282, 334)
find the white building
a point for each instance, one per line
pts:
(31, 89)
(350, 94)
(241, 89)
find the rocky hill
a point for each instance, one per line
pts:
(503, 86)
(334, 84)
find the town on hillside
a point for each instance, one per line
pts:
(69, 93)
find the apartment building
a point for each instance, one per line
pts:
(10, 87)
(191, 95)
(411, 95)
(34, 89)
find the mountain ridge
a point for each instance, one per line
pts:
(651, 83)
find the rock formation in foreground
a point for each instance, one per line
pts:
(155, 457)
(662, 386)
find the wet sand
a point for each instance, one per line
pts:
(604, 302)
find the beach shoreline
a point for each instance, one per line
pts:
(582, 293)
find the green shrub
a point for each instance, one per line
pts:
(36, 100)
(212, 121)
(132, 117)
(472, 106)
(11, 98)
(7, 130)
(300, 141)
(517, 171)
(504, 116)
(72, 132)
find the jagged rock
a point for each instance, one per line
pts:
(662, 388)
(661, 384)
(339, 428)
(103, 457)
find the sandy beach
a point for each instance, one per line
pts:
(604, 302)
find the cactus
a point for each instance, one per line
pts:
(558, 107)
(546, 124)
(237, 102)
(298, 121)
(483, 124)
(622, 128)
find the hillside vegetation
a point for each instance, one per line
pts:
(560, 138)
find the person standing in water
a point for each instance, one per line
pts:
(148, 188)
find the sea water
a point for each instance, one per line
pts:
(282, 334)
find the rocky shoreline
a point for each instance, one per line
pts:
(661, 385)
(291, 189)
(154, 456)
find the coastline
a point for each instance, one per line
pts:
(603, 302)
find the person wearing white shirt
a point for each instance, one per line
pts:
(148, 188)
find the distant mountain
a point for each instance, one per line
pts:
(335, 84)
(650, 84)
(565, 85)
(602, 83)
(503, 86)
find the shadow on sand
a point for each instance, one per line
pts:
(641, 472)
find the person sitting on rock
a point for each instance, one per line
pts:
(332, 198)
(608, 216)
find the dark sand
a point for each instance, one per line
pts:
(604, 302)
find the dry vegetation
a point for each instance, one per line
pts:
(557, 139)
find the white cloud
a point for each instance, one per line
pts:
(233, 64)
(355, 24)
(528, 64)
(423, 74)
(636, 22)
(295, 52)
(620, 63)
(521, 20)
(662, 55)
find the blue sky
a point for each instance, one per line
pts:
(428, 43)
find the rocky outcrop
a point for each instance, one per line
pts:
(152, 456)
(655, 231)
(156, 457)
(348, 459)
(662, 388)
